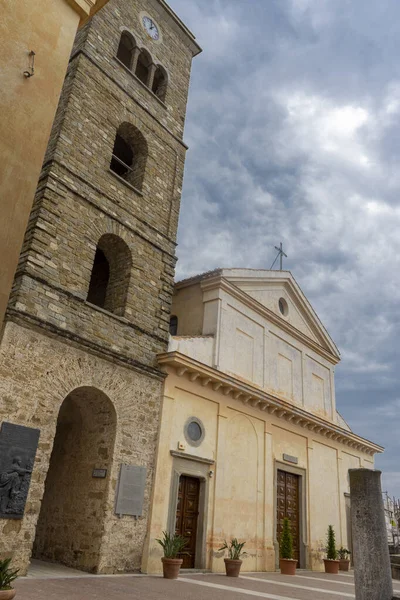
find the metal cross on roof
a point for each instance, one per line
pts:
(280, 255)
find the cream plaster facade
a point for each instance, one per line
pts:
(28, 106)
(262, 385)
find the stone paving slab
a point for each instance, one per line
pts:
(271, 586)
(40, 569)
(113, 588)
(282, 587)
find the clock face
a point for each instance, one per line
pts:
(151, 28)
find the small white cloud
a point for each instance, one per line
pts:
(321, 128)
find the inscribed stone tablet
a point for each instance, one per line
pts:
(291, 459)
(130, 492)
(18, 447)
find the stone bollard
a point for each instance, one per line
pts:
(372, 572)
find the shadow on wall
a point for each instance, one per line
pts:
(71, 519)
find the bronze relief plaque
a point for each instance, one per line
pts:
(18, 445)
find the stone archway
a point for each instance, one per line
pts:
(73, 511)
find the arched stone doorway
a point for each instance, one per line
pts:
(73, 511)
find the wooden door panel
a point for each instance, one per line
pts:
(187, 516)
(288, 506)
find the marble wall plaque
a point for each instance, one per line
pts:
(130, 492)
(292, 459)
(18, 445)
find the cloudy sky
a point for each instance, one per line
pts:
(294, 134)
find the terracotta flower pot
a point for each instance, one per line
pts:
(344, 564)
(171, 567)
(331, 566)
(288, 566)
(7, 594)
(232, 567)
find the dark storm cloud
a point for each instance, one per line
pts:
(294, 134)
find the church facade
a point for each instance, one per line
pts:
(249, 429)
(113, 430)
(80, 386)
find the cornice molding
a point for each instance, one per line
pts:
(218, 281)
(86, 8)
(175, 22)
(193, 457)
(185, 366)
(28, 321)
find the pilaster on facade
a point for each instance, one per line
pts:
(269, 493)
(219, 483)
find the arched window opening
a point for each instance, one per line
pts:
(143, 67)
(122, 158)
(129, 155)
(99, 279)
(111, 273)
(173, 325)
(125, 49)
(160, 83)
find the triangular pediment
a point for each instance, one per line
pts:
(268, 288)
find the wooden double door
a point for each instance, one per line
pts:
(187, 514)
(288, 505)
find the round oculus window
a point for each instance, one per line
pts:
(283, 307)
(194, 431)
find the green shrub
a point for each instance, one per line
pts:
(7, 576)
(172, 544)
(343, 553)
(234, 549)
(331, 553)
(286, 543)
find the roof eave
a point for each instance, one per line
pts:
(194, 46)
(264, 401)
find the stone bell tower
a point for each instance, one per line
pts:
(91, 299)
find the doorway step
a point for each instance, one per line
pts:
(188, 571)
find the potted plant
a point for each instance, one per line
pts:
(233, 563)
(344, 561)
(331, 562)
(286, 562)
(7, 576)
(172, 546)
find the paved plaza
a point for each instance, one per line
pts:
(63, 584)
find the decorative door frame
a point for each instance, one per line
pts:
(303, 541)
(191, 466)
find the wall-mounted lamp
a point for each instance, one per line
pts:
(210, 474)
(31, 68)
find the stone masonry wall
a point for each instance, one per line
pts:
(170, 51)
(53, 282)
(56, 341)
(37, 373)
(71, 213)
